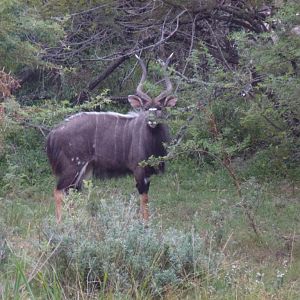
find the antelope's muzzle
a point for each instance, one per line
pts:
(152, 117)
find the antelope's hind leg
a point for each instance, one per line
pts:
(65, 182)
(58, 196)
(71, 179)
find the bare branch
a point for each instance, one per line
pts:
(136, 48)
(218, 45)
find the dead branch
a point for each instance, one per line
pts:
(42, 129)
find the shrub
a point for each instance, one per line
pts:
(251, 109)
(114, 251)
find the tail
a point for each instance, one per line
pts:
(53, 153)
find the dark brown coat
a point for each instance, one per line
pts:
(109, 144)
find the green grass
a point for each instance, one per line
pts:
(186, 197)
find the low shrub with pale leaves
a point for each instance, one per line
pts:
(112, 249)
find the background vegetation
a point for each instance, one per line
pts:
(225, 215)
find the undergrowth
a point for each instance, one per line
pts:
(112, 250)
(102, 250)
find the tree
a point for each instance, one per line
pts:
(250, 110)
(23, 35)
(105, 34)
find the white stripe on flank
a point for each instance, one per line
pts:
(95, 137)
(115, 138)
(124, 137)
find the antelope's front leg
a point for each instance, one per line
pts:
(144, 207)
(143, 184)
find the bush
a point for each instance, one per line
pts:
(114, 251)
(252, 109)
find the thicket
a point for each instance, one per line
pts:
(247, 112)
(246, 118)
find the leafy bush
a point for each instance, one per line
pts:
(23, 32)
(114, 251)
(251, 110)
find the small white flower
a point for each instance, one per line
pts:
(259, 277)
(280, 274)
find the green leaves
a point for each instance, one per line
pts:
(23, 34)
(253, 107)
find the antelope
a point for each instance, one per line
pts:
(112, 144)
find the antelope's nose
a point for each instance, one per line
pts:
(152, 124)
(152, 118)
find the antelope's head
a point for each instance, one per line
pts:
(153, 107)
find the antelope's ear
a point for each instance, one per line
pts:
(170, 101)
(135, 101)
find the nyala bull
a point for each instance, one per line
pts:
(109, 143)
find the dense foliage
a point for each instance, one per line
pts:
(243, 107)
